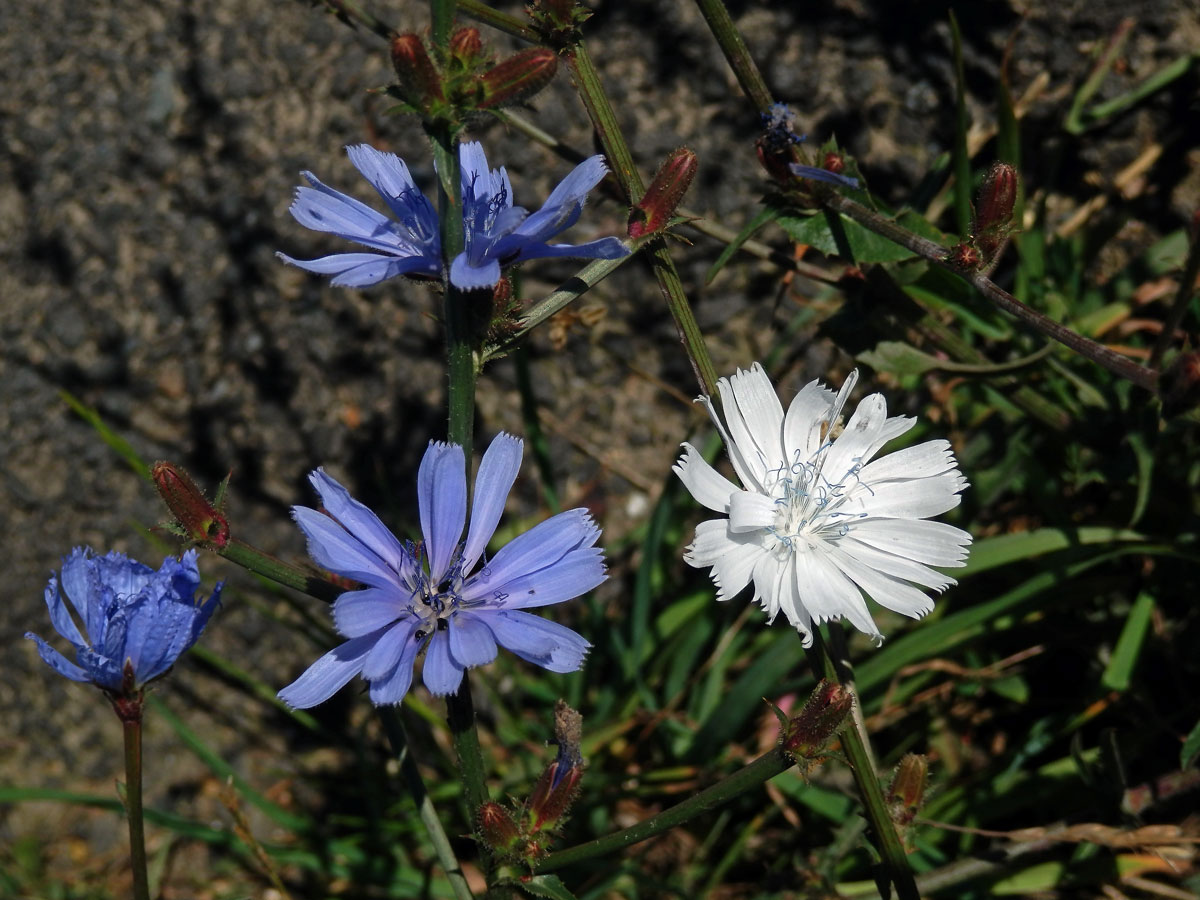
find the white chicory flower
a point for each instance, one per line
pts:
(818, 522)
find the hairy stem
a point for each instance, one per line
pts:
(131, 722)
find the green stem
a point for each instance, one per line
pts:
(939, 255)
(460, 713)
(442, 14)
(462, 366)
(501, 21)
(390, 716)
(854, 742)
(277, 570)
(130, 713)
(736, 53)
(762, 770)
(620, 160)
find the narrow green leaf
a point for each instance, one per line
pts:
(766, 215)
(1001, 550)
(118, 444)
(1191, 748)
(1119, 671)
(223, 770)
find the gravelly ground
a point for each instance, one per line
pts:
(147, 162)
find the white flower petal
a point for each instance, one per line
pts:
(922, 461)
(932, 543)
(918, 499)
(706, 485)
(732, 557)
(828, 594)
(849, 451)
(890, 593)
(889, 564)
(760, 412)
(809, 409)
(750, 511)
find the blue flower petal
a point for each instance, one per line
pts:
(442, 675)
(442, 498)
(356, 613)
(365, 269)
(390, 177)
(60, 617)
(537, 640)
(497, 472)
(572, 576)
(541, 546)
(389, 648)
(83, 590)
(823, 175)
(57, 661)
(471, 641)
(467, 277)
(329, 674)
(339, 551)
(604, 248)
(360, 521)
(321, 208)
(391, 688)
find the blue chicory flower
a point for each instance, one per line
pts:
(496, 233)
(131, 615)
(438, 597)
(409, 244)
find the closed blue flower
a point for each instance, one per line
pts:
(409, 244)
(131, 615)
(496, 233)
(443, 598)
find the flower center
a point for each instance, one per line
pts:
(808, 501)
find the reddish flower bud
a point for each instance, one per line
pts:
(420, 82)
(807, 735)
(964, 256)
(497, 829)
(834, 162)
(1179, 385)
(666, 191)
(518, 78)
(907, 792)
(466, 45)
(558, 786)
(198, 518)
(994, 210)
(997, 197)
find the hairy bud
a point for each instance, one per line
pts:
(808, 734)
(199, 519)
(517, 78)
(420, 82)
(906, 794)
(665, 193)
(994, 210)
(497, 829)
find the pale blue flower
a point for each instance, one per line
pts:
(496, 233)
(442, 597)
(131, 616)
(409, 244)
